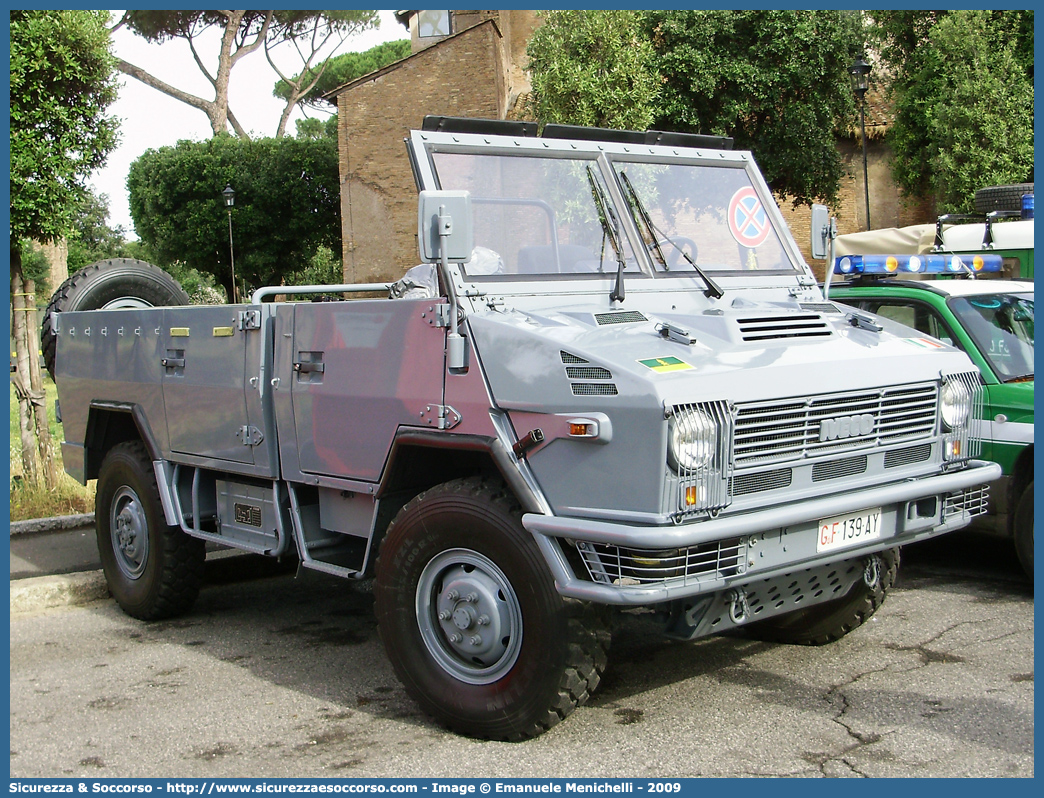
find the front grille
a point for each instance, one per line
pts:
(973, 501)
(743, 484)
(588, 373)
(768, 432)
(771, 328)
(594, 389)
(835, 469)
(620, 317)
(908, 456)
(619, 565)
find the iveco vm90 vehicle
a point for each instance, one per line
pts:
(611, 383)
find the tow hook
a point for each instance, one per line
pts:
(872, 572)
(739, 609)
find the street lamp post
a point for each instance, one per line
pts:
(230, 199)
(860, 72)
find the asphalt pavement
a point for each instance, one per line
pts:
(286, 677)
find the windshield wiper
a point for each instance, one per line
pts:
(644, 218)
(713, 289)
(612, 231)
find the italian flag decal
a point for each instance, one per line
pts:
(926, 343)
(663, 364)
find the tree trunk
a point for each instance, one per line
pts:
(30, 472)
(57, 254)
(32, 399)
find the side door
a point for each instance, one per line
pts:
(360, 370)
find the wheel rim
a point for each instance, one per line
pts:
(469, 616)
(129, 531)
(126, 302)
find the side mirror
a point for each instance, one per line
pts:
(444, 226)
(820, 229)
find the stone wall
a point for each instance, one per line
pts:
(889, 207)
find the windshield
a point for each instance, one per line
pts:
(713, 214)
(555, 214)
(537, 216)
(1002, 327)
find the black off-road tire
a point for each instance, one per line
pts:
(1001, 198)
(153, 570)
(1023, 529)
(824, 623)
(460, 549)
(113, 283)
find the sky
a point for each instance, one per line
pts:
(150, 119)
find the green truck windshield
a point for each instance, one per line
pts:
(1002, 327)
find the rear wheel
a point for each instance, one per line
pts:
(832, 620)
(109, 284)
(1024, 529)
(153, 570)
(472, 622)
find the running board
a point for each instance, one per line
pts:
(336, 553)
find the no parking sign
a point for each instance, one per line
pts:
(748, 222)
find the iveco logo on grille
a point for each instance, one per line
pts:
(831, 429)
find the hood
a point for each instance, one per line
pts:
(747, 352)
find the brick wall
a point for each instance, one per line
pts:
(462, 76)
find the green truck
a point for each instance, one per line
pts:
(992, 321)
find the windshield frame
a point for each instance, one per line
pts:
(426, 145)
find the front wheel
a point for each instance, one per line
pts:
(153, 570)
(832, 620)
(472, 622)
(1024, 529)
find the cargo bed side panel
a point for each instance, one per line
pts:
(110, 356)
(204, 388)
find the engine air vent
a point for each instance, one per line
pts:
(835, 469)
(588, 373)
(743, 484)
(770, 328)
(911, 454)
(568, 358)
(594, 389)
(821, 307)
(620, 317)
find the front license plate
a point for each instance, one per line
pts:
(843, 531)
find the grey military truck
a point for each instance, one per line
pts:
(612, 382)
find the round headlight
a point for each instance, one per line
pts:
(955, 404)
(693, 437)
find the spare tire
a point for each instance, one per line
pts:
(1001, 198)
(113, 283)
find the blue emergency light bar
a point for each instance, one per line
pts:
(884, 265)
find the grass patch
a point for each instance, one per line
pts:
(36, 501)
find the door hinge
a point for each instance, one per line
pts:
(443, 315)
(440, 416)
(250, 435)
(250, 319)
